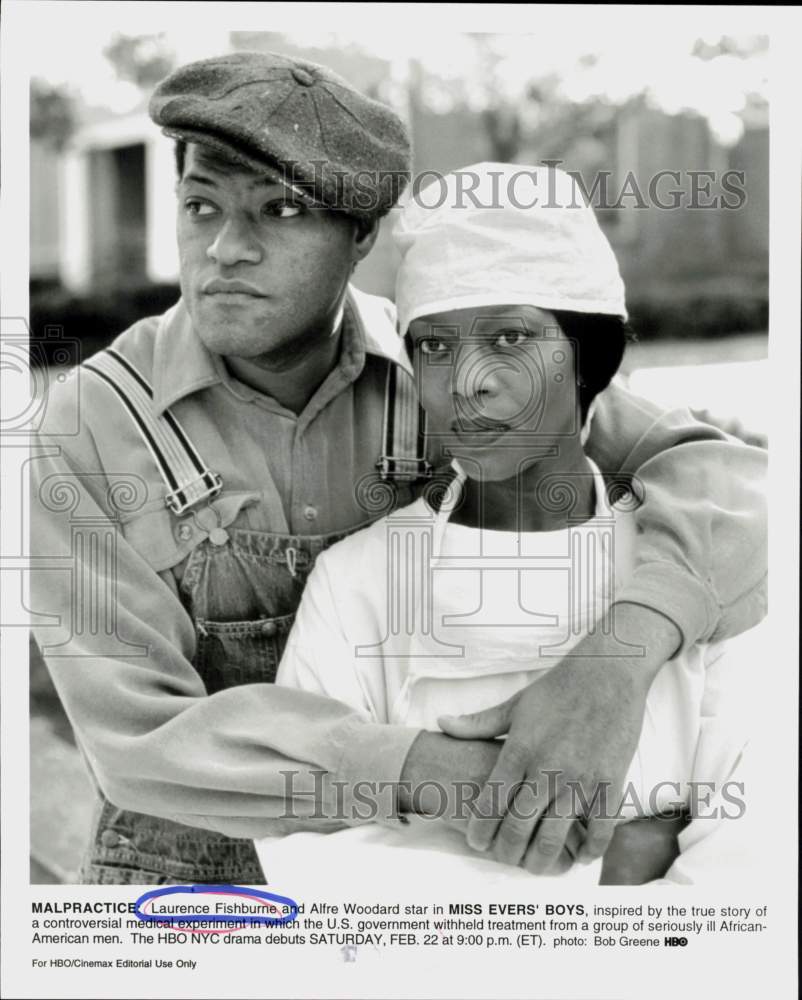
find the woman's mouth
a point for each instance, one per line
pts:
(474, 435)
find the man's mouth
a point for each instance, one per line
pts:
(231, 287)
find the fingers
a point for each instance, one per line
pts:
(597, 838)
(574, 840)
(515, 831)
(566, 858)
(495, 797)
(547, 853)
(483, 725)
(529, 823)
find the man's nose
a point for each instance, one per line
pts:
(235, 243)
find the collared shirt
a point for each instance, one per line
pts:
(155, 741)
(307, 466)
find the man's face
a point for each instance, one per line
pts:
(262, 274)
(498, 386)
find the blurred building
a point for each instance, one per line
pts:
(103, 213)
(103, 208)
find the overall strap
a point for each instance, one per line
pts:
(404, 432)
(188, 480)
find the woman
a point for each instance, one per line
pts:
(515, 319)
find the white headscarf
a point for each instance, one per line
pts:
(499, 234)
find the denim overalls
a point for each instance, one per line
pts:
(241, 589)
(242, 595)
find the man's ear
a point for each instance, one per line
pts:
(364, 237)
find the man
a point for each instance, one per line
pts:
(247, 425)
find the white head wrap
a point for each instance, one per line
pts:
(499, 234)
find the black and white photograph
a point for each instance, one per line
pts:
(389, 395)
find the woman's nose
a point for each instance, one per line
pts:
(235, 244)
(477, 372)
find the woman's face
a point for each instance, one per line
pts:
(498, 386)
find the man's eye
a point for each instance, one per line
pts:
(433, 346)
(196, 207)
(511, 338)
(283, 209)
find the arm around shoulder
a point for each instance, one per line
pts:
(155, 741)
(702, 544)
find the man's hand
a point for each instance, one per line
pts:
(442, 777)
(572, 736)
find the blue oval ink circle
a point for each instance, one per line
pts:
(217, 890)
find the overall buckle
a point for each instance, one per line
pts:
(404, 469)
(205, 487)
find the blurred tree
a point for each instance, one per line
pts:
(729, 46)
(53, 112)
(526, 104)
(556, 95)
(522, 109)
(140, 59)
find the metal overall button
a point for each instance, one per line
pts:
(209, 521)
(240, 652)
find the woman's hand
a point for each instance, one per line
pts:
(642, 850)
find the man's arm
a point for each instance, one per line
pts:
(571, 737)
(320, 657)
(155, 741)
(701, 558)
(700, 575)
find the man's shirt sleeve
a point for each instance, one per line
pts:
(243, 760)
(701, 555)
(321, 657)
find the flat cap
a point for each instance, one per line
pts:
(295, 120)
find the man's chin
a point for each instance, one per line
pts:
(228, 344)
(233, 339)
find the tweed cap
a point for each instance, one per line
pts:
(294, 120)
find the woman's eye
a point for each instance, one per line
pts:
(511, 338)
(283, 209)
(433, 347)
(196, 207)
